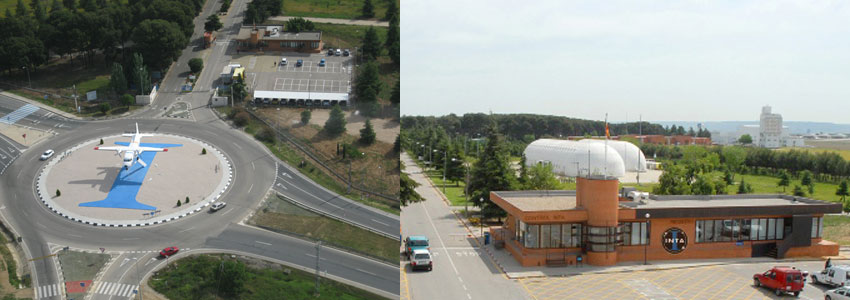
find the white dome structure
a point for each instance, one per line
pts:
(632, 157)
(573, 159)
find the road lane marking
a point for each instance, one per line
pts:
(264, 243)
(249, 189)
(379, 222)
(130, 239)
(370, 273)
(252, 166)
(187, 229)
(237, 146)
(440, 238)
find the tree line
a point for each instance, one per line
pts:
(368, 84)
(158, 30)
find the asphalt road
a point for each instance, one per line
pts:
(461, 270)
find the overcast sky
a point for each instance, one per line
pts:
(666, 60)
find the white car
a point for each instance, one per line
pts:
(283, 61)
(421, 259)
(216, 206)
(842, 293)
(834, 276)
(338, 52)
(47, 154)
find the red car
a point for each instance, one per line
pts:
(781, 280)
(168, 251)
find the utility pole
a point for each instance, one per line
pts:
(75, 99)
(640, 143)
(28, 76)
(318, 246)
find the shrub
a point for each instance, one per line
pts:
(196, 65)
(101, 141)
(234, 111)
(305, 116)
(104, 107)
(178, 203)
(187, 200)
(58, 193)
(266, 134)
(204, 151)
(241, 119)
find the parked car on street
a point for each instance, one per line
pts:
(47, 154)
(842, 293)
(338, 52)
(415, 242)
(322, 62)
(331, 51)
(283, 61)
(781, 280)
(168, 251)
(299, 63)
(834, 276)
(346, 52)
(421, 260)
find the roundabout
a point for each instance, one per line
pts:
(96, 189)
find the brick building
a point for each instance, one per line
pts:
(266, 38)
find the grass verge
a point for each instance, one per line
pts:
(223, 277)
(9, 262)
(836, 228)
(336, 9)
(280, 215)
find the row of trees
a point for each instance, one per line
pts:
(680, 130)
(368, 84)
(158, 28)
(259, 11)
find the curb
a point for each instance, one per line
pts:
(44, 196)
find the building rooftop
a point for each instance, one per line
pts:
(539, 200)
(729, 205)
(276, 33)
(682, 201)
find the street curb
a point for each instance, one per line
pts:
(47, 200)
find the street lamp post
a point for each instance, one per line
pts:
(646, 243)
(28, 76)
(466, 192)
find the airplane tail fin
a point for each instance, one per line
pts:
(137, 128)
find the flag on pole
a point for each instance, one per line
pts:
(25, 135)
(607, 132)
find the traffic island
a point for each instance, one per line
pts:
(93, 187)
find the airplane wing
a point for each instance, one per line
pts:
(119, 148)
(153, 149)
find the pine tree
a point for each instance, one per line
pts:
(335, 125)
(783, 181)
(371, 47)
(367, 134)
(21, 10)
(368, 9)
(492, 172)
(842, 190)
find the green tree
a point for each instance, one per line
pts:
(492, 172)
(299, 24)
(672, 182)
(397, 144)
(225, 5)
(21, 10)
(367, 103)
(39, 11)
(70, 4)
(744, 188)
(335, 125)
(238, 90)
(179, 203)
(728, 177)
(396, 96)
(159, 41)
(702, 185)
(104, 107)
(541, 177)
(305, 116)
(213, 23)
(798, 191)
(127, 100)
(392, 10)
(55, 6)
(88, 5)
(367, 134)
(842, 190)
(371, 48)
(745, 139)
(368, 10)
(187, 200)
(241, 119)
(368, 77)
(455, 170)
(140, 74)
(783, 181)
(393, 35)
(407, 190)
(733, 157)
(196, 65)
(720, 187)
(117, 81)
(395, 53)
(232, 278)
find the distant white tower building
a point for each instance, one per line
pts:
(770, 129)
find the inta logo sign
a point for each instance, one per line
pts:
(674, 240)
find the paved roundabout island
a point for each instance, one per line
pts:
(96, 189)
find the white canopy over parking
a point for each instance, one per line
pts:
(312, 96)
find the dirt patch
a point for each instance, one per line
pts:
(386, 130)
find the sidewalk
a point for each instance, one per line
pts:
(337, 21)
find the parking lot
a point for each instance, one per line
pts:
(709, 282)
(334, 77)
(311, 85)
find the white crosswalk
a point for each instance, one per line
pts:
(18, 114)
(47, 291)
(115, 289)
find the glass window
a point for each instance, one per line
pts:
(709, 231)
(699, 231)
(544, 236)
(523, 232)
(644, 237)
(555, 236)
(576, 228)
(762, 229)
(745, 229)
(531, 236)
(771, 229)
(820, 227)
(780, 228)
(566, 235)
(637, 228)
(719, 234)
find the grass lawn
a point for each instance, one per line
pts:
(337, 9)
(347, 36)
(281, 215)
(829, 144)
(766, 185)
(196, 277)
(837, 229)
(454, 191)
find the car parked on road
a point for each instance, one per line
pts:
(168, 251)
(299, 63)
(842, 293)
(834, 276)
(283, 61)
(415, 242)
(47, 154)
(421, 260)
(346, 52)
(331, 51)
(781, 280)
(322, 62)
(338, 52)
(216, 206)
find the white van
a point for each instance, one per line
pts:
(834, 275)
